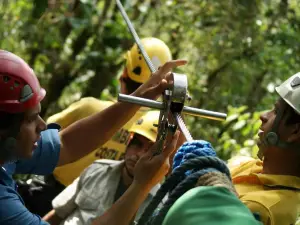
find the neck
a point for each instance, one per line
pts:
(126, 178)
(281, 172)
(288, 170)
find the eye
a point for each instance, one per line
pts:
(136, 142)
(32, 118)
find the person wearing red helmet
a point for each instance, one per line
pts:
(28, 146)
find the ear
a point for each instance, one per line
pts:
(295, 133)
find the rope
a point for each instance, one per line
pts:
(193, 161)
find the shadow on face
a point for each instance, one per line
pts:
(137, 147)
(30, 130)
(278, 160)
(127, 86)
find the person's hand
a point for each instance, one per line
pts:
(159, 81)
(150, 169)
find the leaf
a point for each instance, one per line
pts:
(239, 125)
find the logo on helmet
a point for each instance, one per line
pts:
(295, 82)
(140, 121)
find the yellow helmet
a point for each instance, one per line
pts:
(144, 126)
(158, 52)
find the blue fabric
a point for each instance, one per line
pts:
(191, 150)
(43, 161)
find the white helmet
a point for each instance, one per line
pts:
(290, 91)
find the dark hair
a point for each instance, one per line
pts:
(292, 116)
(9, 121)
(131, 85)
(178, 183)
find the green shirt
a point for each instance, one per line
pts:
(209, 206)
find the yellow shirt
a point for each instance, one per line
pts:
(113, 149)
(275, 197)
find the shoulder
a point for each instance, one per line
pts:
(245, 167)
(237, 161)
(78, 110)
(50, 139)
(106, 162)
(91, 103)
(101, 166)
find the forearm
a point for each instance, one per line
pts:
(52, 218)
(122, 212)
(87, 134)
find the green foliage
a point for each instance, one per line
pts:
(239, 137)
(238, 51)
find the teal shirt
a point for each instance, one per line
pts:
(209, 206)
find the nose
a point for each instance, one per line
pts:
(42, 125)
(264, 117)
(142, 151)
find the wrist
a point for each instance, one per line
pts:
(137, 93)
(142, 189)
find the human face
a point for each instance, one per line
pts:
(275, 158)
(137, 147)
(30, 131)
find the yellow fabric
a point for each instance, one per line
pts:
(236, 161)
(268, 195)
(113, 149)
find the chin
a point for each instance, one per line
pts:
(27, 154)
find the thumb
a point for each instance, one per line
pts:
(155, 91)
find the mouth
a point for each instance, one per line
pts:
(259, 137)
(35, 144)
(260, 133)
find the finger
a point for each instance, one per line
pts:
(169, 77)
(171, 147)
(154, 148)
(168, 66)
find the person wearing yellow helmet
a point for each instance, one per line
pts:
(134, 74)
(105, 181)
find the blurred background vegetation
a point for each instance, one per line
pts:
(238, 51)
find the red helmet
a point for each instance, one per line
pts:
(19, 87)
